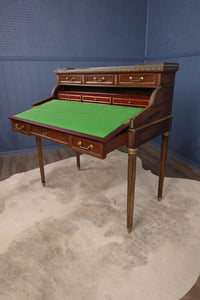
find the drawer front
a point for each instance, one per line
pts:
(68, 96)
(86, 146)
(70, 79)
(97, 99)
(99, 79)
(130, 102)
(50, 134)
(20, 126)
(137, 79)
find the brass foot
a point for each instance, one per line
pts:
(43, 183)
(159, 199)
(129, 230)
(78, 168)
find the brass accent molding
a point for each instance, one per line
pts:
(131, 123)
(132, 151)
(152, 123)
(166, 133)
(159, 66)
(132, 130)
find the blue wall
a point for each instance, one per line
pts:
(173, 34)
(37, 36)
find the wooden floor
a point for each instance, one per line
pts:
(150, 159)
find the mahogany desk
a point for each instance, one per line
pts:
(131, 105)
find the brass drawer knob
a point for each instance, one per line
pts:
(46, 133)
(141, 78)
(72, 79)
(101, 79)
(85, 148)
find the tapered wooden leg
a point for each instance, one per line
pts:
(131, 186)
(78, 160)
(40, 159)
(163, 156)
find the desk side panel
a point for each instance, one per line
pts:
(160, 107)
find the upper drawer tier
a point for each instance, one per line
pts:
(137, 79)
(120, 79)
(99, 79)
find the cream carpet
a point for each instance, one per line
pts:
(68, 240)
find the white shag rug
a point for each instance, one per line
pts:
(68, 240)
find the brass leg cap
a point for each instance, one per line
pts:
(43, 183)
(78, 168)
(159, 199)
(129, 230)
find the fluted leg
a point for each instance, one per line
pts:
(40, 159)
(78, 160)
(163, 156)
(131, 186)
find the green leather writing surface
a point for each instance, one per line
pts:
(92, 119)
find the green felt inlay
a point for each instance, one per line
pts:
(94, 119)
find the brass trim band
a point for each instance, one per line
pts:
(166, 133)
(152, 123)
(132, 151)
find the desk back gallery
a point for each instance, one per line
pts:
(97, 110)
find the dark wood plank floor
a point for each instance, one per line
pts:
(150, 159)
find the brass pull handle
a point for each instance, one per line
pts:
(101, 79)
(85, 148)
(141, 78)
(19, 127)
(72, 79)
(129, 102)
(46, 133)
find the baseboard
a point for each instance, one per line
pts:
(54, 147)
(29, 150)
(178, 156)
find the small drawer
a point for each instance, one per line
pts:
(86, 146)
(130, 102)
(70, 97)
(97, 99)
(20, 126)
(50, 134)
(137, 79)
(99, 79)
(70, 79)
